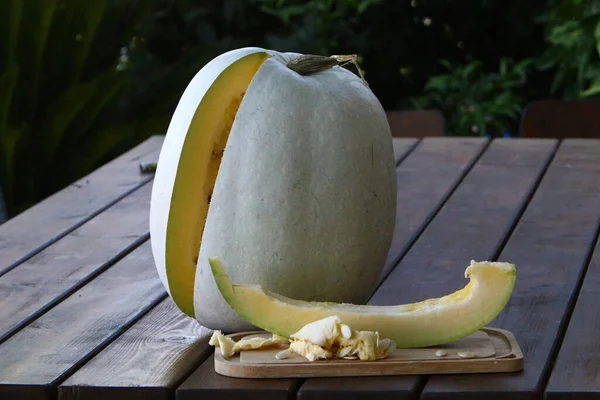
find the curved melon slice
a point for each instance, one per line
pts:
(194, 145)
(426, 323)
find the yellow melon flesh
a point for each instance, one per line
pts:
(426, 323)
(197, 171)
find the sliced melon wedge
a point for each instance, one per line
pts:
(180, 201)
(426, 323)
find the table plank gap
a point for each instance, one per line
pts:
(470, 225)
(405, 196)
(55, 273)
(550, 246)
(426, 175)
(27, 319)
(403, 147)
(149, 360)
(54, 346)
(30, 232)
(576, 371)
(511, 227)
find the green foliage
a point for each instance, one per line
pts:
(59, 84)
(317, 26)
(567, 67)
(573, 34)
(399, 42)
(82, 81)
(476, 102)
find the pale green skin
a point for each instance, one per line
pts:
(428, 323)
(305, 198)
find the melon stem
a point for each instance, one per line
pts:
(309, 64)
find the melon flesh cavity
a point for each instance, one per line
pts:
(426, 323)
(178, 215)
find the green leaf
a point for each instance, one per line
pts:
(364, 4)
(111, 84)
(418, 103)
(550, 58)
(470, 69)
(8, 82)
(446, 64)
(566, 34)
(38, 17)
(88, 19)
(62, 112)
(597, 37)
(503, 67)
(439, 82)
(10, 20)
(593, 90)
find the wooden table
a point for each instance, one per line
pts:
(84, 316)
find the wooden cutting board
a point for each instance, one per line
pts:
(492, 350)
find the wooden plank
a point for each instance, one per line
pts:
(425, 179)
(576, 372)
(148, 361)
(550, 247)
(40, 356)
(471, 224)
(402, 147)
(43, 224)
(380, 388)
(51, 275)
(205, 383)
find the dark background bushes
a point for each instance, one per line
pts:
(83, 81)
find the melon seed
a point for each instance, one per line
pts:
(346, 331)
(344, 352)
(392, 347)
(383, 344)
(441, 353)
(466, 354)
(283, 354)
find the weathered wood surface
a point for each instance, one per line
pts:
(60, 341)
(550, 245)
(576, 373)
(83, 314)
(425, 179)
(54, 273)
(48, 221)
(147, 361)
(402, 147)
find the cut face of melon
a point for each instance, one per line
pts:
(200, 150)
(426, 323)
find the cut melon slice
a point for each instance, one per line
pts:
(426, 323)
(180, 201)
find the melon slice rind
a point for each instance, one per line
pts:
(188, 165)
(427, 323)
